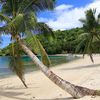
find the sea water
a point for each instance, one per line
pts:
(4, 62)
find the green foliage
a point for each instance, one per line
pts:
(64, 42)
(44, 56)
(16, 63)
(91, 33)
(10, 7)
(35, 5)
(34, 44)
(21, 22)
(68, 41)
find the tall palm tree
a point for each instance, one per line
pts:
(20, 22)
(91, 27)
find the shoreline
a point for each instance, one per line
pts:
(31, 66)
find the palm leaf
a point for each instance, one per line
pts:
(5, 30)
(30, 21)
(82, 41)
(45, 30)
(85, 42)
(80, 46)
(82, 21)
(35, 45)
(30, 41)
(16, 64)
(89, 48)
(16, 24)
(4, 18)
(35, 5)
(21, 23)
(45, 58)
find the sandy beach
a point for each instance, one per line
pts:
(80, 72)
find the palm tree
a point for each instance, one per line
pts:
(91, 35)
(20, 22)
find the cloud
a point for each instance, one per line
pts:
(63, 7)
(67, 19)
(67, 16)
(41, 19)
(2, 24)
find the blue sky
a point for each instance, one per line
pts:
(75, 3)
(66, 15)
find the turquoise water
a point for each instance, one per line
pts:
(4, 62)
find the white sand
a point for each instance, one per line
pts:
(81, 72)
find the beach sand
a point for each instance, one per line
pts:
(80, 72)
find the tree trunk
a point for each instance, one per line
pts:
(75, 91)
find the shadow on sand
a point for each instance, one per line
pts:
(16, 95)
(82, 67)
(68, 98)
(13, 95)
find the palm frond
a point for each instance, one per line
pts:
(16, 64)
(89, 48)
(82, 21)
(30, 41)
(80, 46)
(98, 18)
(30, 21)
(22, 22)
(16, 21)
(83, 36)
(35, 5)
(37, 47)
(82, 40)
(7, 7)
(4, 30)
(45, 30)
(17, 24)
(85, 44)
(45, 58)
(4, 18)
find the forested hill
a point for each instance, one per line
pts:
(65, 42)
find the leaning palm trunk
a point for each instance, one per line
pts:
(75, 91)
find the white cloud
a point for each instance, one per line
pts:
(66, 16)
(41, 19)
(67, 20)
(5, 36)
(2, 24)
(63, 7)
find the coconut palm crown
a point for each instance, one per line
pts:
(91, 27)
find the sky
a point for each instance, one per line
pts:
(66, 15)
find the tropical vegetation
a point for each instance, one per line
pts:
(64, 42)
(67, 41)
(91, 36)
